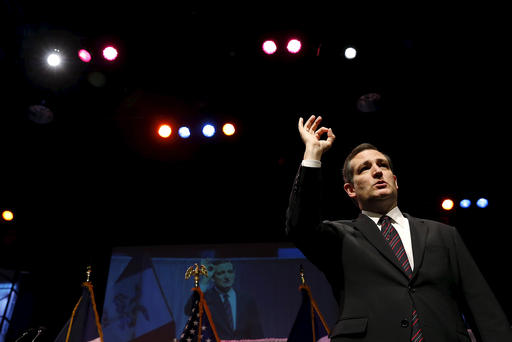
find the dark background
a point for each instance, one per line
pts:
(97, 176)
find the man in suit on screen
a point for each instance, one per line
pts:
(234, 312)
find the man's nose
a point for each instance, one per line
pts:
(377, 171)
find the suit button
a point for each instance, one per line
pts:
(412, 289)
(404, 323)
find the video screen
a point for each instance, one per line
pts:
(148, 299)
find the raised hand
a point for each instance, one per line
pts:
(312, 137)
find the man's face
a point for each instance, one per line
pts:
(374, 184)
(224, 276)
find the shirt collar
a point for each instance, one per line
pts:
(231, 292)
(395, 214)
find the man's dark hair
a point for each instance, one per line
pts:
(221, 261)
(348, 172)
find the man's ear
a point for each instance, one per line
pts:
(349, 189)
(396, 183)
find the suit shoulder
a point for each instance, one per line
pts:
(431, 223)
(341, 224)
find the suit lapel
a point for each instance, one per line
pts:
(419, 232)
(372, 233)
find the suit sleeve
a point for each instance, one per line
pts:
(304, 221)
(256, 328)
(303, 211)
(491, 322)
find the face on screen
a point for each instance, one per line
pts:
(224, 276)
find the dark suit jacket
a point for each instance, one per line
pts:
(375, 296)
(248, 324)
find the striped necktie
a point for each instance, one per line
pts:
(394, 241)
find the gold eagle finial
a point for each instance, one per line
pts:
(196, 271)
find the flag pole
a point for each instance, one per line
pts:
(301, 275)
(89, 286)
(314, 305)
(88, 274)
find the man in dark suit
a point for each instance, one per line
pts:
(396, 278)
(234, 312)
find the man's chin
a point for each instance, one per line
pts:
(383, 194)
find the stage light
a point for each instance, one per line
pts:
(54, 59)
(110, 53)
(465, 203)
(447, 204)
(228, 129)
(269, 47)
(208, 130)
(84, 56)
(7, 215)
(294, 45)
(164, 131)
(184, 132)
(482, 203)
(350, 53)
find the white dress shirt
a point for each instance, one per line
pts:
(398, 220)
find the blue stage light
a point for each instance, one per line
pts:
(465, 203)
(184, 132)
(482, 202)
(208, 130)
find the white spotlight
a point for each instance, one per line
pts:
(54, 59)
(350, 53)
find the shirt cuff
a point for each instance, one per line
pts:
(311, 163)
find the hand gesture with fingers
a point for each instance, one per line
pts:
(311, 135)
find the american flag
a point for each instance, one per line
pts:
(199, 327)
(309, 325)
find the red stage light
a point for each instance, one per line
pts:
(294, 45)
(84, 56)
(110, 53)
(269, 47)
